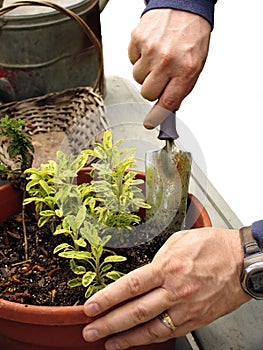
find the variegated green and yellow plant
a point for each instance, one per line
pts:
(88, 214)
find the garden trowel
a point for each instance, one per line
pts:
(167, 179)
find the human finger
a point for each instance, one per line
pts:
(155, 117)
(151, 332)
(169, 100)
(137, 311)
(135, 283)
(153, 83)
(154, 331)
(141, 70)
(134, 52)
(175, 91)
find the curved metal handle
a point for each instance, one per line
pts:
(168, 128)
(7, 93)
(99, 83)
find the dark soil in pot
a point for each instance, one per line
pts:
(42, 280)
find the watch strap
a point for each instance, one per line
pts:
(251, 276)
(249, 244)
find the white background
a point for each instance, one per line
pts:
(224, 111)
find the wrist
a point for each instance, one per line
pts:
(252, 272)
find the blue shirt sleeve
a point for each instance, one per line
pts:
(257, 232)
(204, 8)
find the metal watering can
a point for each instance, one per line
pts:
(44, 50)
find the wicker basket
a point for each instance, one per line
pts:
(78, 112)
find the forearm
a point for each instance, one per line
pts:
(204, 8)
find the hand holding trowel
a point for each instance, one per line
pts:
(167, 179)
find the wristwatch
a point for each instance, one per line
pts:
(252, 274)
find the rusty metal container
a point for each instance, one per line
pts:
(43, 50)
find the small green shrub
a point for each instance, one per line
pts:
(19, 148)
(86, 213)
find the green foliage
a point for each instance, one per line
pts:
(95, 270)
(85, 213)
(51, 189)
(19, 149)
(116, 189)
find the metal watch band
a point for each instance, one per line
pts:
(249, 244)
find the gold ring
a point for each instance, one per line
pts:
(167, 321)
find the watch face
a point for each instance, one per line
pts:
(255, 282)
(253, 277)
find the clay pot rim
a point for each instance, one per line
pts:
(37, 314)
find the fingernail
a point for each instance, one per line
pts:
(148, 126)
(91, 309)
(112, 345)
(91, 335)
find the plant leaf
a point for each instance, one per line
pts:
(90, 291)
(106, 268)
(75, 282)
(63, 231)
(45, 187)
(75, 255)
(48, 213)
(42, 221)
(88, 278)
(60, 247)
(114, 258)
(115, 275)
(77, 269)
(81, 215)
(80, 242)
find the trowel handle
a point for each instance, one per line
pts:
(168, 128)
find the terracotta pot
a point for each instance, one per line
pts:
(30, 327)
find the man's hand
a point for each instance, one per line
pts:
(195, 276)
(168, 49)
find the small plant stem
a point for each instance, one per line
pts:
(98, 274)
(119, 185)
(21, 262)
(24, 230)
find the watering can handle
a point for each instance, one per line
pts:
(99, 83)
(7, 93)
